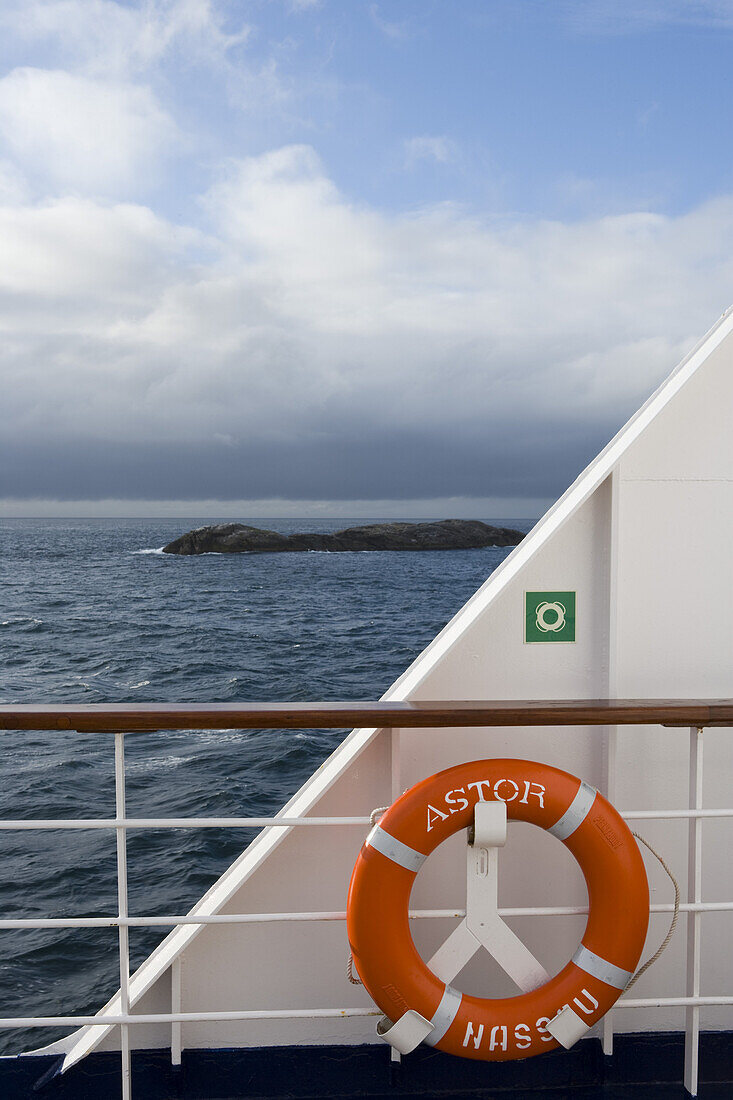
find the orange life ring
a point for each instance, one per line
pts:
(387, 960)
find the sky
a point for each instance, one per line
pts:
(342, 257)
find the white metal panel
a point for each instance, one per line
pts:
(675, 604)
(691, 439)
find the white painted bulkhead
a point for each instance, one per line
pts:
(644, 538)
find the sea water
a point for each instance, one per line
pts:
(91, 611)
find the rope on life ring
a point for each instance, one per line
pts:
(397, 978)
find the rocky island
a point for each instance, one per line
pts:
(447, 534)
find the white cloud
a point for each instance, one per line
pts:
(438, 149)
(13, 187)
(628, 16)
(390, 28)
(81, 132)
(104, 38)
(104, 90)
(86, 259)
(304, 314)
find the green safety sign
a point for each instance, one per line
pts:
(549, 616)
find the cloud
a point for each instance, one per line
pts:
(104, 38)
(105, 59)
(79, 258)
(644, 117)
(438, 149)
(278, 507)
(390, 28)
(630, 16)
(80, 132)
(13, 187)
(309, 346)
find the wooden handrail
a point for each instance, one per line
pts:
(135, 717)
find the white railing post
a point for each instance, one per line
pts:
(694, 917)
(176, 1000)
(395, 763)
(122, 930)
(611, 738)
(395, 771)
(611, 748)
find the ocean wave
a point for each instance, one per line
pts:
(142, 767)
(149, 550)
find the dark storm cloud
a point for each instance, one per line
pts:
(522, 461)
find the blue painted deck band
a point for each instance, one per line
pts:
(646, 1066)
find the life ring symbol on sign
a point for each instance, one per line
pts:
(555, 608)
(550, 1010)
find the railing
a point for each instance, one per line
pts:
(125, 719)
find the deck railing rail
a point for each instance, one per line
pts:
(124, 719)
